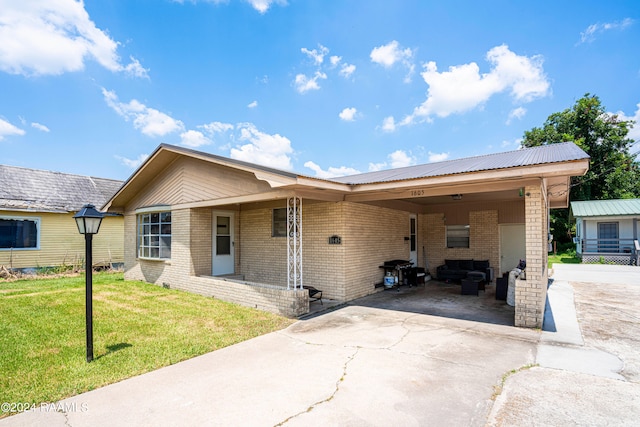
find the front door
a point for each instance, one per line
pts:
(513, 246)
(413, 241)
(608, 237)
(223, 244)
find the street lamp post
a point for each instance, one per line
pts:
(88, 220)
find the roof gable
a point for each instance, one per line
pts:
(40, 190)
(616, 207)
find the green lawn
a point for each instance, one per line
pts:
(138, 327)
(564, 258)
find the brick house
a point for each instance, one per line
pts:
(254, 235)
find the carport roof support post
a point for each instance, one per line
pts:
(531, 293)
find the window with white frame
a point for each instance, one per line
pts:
(458, 236)
(154, 235)
(19, 232)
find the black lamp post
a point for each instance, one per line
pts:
(88, 220)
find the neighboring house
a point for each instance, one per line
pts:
(254, 235)
(37, 228)
(607, 230)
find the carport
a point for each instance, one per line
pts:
(502, 200)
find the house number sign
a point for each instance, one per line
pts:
(335, 240)
(417, 193)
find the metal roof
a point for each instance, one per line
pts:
(552, 153)
(617, 207)
(46, 191)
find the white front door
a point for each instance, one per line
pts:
(513, 246)
(223, 244)
(413, 239)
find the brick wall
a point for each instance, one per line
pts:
(201, 243)
(484, 239)
(369, 236)
(264, 258)
(373, 235)
(191, 255)
(531, 293)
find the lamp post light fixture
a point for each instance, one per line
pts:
(88, 220)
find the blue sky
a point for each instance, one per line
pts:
(323, 88)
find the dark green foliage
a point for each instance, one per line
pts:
(613, 172)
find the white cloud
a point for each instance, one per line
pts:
(40, 127)
(389, 124)
(135, 69)
(304, 83)
(262, 148)
(332, 172)
(50, 37)
(252, 104)
(397, 159)
(316, 54)
(589, 35)
(375, 167)
(348, 114)
(634, 132)
(346, 70)
(149, 121)
(438, 157)
(193, 139)
(391, 53)
(263, 6)
(7, 129)
(217, 127)
(463, 87)
(133, 163)
(400, 159)
(516, 113)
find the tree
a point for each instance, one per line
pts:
(613, 172)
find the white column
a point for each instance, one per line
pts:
(294, 243)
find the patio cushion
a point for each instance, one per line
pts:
(452, 264)
(466, 264)
(480, 265)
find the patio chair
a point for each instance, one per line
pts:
(314, 294)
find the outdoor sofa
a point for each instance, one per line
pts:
(458, 269)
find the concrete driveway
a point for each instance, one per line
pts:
(379, 361)
(587, 369)
(421, 356)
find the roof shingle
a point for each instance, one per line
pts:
(40, 190)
